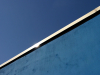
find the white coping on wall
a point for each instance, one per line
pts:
(52, 35)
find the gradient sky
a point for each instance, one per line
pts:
(26, 22)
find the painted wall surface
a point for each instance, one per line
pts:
(74, 53)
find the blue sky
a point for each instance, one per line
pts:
(26, 22)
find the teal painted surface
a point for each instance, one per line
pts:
(74, 53)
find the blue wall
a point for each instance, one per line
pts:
(74, 53)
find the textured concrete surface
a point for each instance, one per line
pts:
(74, 53)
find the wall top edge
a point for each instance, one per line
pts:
(52, 35)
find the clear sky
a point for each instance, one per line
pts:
(26, 22)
